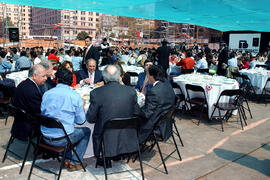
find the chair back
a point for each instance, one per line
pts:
(206, 71)
(230, 93)
(187, 71)
(122, 123)
(49, 122)
(166, 122)
(260, 65)
(24, 68)
(194, 88)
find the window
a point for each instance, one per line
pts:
(90, 24)
(75, 17)
(82, 12)
(74, 23)
(97, 14)
(82, 18)
(97, 19)
(90, 19)
(83, 24)
(90, 13)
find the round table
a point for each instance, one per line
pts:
(18, 77)
(212, 85)
(258, 77)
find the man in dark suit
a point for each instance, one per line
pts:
(28, 97)
(159, 100)
(112, 100)
(91, 75)
(90, 52)
(163, 55)
(223, 59)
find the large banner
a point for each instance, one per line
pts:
(247, 42)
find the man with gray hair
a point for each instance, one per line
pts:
(50, 75)
(28, 97)
(112, 100)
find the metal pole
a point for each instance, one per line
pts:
(3, 24)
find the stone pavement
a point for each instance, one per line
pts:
(208, 153)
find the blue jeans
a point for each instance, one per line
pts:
(80, 135)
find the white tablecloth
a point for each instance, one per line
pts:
(18, 77)
(85, 94)
(212, 85)
(258, 77)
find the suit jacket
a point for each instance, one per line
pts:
(27, 97)
(92, 53)
(163, 56)
(82, 74)
(158, 101)
(107, 102)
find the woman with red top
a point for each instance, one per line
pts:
(187, 63)
(53, 59)
(68, 65)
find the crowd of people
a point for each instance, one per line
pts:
(49, 93)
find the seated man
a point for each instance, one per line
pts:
(65, 105)
(187, 63)
(158, 101)
(107, 102)
(143, 84)
(28, 97)
(50, 75)
(23, 62)
(91, 75)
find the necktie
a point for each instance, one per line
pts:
(144, 84)
(91, 79)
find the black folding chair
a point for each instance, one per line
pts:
(203, 71)
(131, 124)
(61, 151)
(232, 104)
(187, 71)
(179, 97)
(248, 89)
(157, 135)
(265, 95)
(24, 68)
(201, 101)
(261, 66)
(15, 111)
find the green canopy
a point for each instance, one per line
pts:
(223, 15)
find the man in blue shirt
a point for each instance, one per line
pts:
(4, 65)
(65, 105)
(23, 62)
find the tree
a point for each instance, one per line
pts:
(82, 35)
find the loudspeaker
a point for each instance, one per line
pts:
(13, 34)
(255, 42)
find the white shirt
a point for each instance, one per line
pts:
(202, 64)
(92, 80)
(67, 58)
(37, 60)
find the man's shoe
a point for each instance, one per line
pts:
(76, 167)
(100, 162)
(66, 164)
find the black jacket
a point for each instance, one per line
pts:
(112, 101)
(82, 74)
(159, 100)
(27, 97)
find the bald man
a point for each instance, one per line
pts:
(112, 100)
(28, 97)
(91, 75)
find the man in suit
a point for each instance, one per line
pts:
(222, 59)
(159, 100)
(163, 55)
(28, 97)
(90, 52)
(112, 100)
(91, 75)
